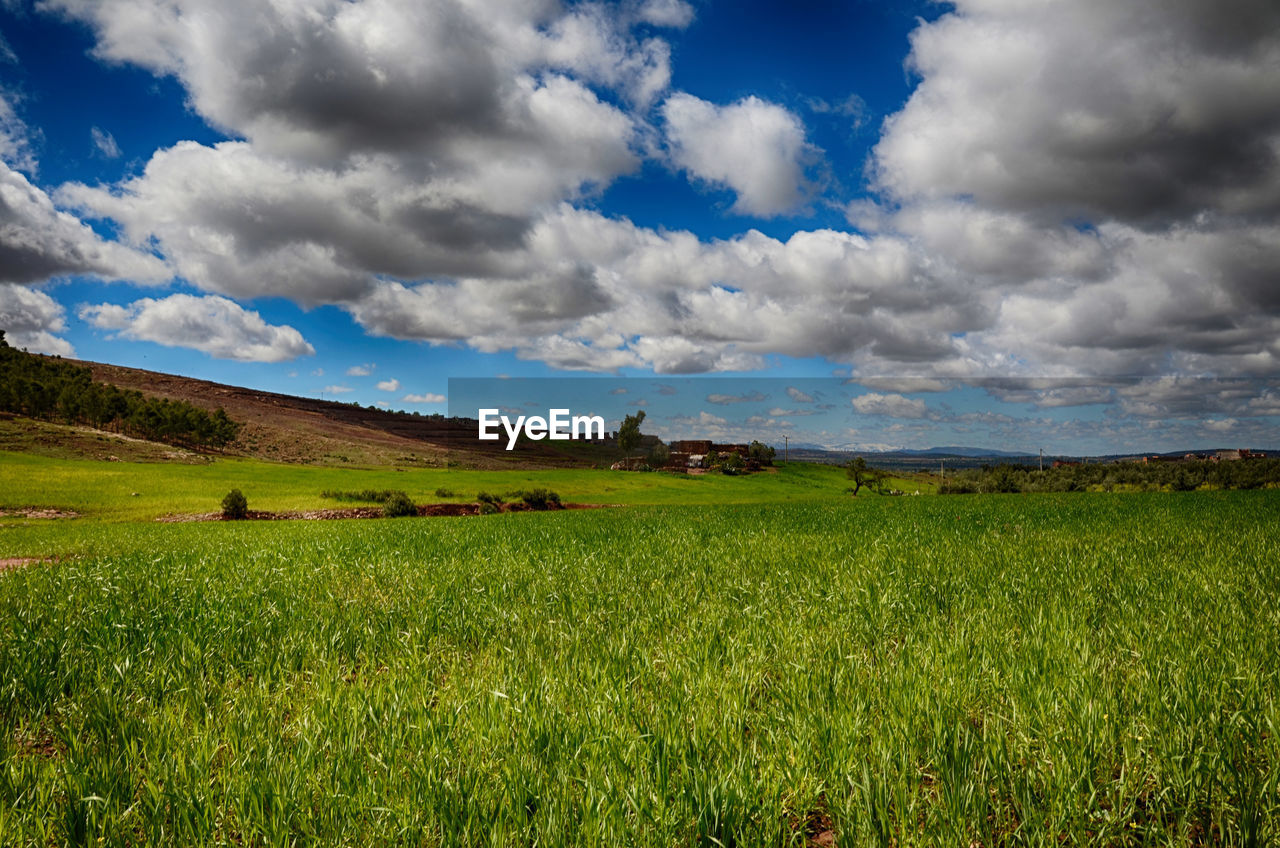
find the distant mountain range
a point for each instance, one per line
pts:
(960, 451)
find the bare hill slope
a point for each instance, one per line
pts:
(293, 429)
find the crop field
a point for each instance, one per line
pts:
(129, 491)
(988, 670)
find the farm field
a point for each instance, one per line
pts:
(1078, 669)
(105, 490)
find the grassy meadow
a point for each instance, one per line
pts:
(726, 661)
(106, 490)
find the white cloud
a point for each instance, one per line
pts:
(361, 370)
(15, 137)
(428, 397)
(337, 390)
(417, 165)
(892, 405)
(39, 241)
(105, 143)
(391, 385)
(798, 396)
(30, 318)
(667, 13)
(217, 326)
(753, 147)
(1136, 111)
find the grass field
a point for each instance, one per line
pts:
(106, 490)
(986, 670)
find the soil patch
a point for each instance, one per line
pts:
(34, 512)
(425, 510)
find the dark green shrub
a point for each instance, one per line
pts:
(364, 495)
(398, 505)
(235, 506)
(540, 499)
(489, 508)
(492, 500)
(444, 493)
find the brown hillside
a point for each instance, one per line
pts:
(304, 430)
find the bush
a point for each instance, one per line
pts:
(235, 506)
(489, 508)
(398, 505)
(444, 493)
(540, 499)
(491, 500)
(364, 495)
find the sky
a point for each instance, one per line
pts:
(1042, 223)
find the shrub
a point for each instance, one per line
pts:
(235, 506)
(366, 495)
(492, 500)
(540, 499)
(398, 505)
(489, 508)
(444, 493)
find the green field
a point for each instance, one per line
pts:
(973, 670)
(106, 490)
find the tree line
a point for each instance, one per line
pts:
(55, 390)
(1177, 476)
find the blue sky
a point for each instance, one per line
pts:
(989, 221)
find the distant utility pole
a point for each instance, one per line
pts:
(786, 449)
(1042, 459)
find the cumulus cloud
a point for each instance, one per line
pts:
(1142, 112)
(392, 385)
(428, 397)
(215, 325)
(337, 390)
(39, 241)
(30, 318)
(1075, 187)
(892, 405)
(361, 370)
(757, 149)
(15, 137)
(1106, 176)
(375, 76)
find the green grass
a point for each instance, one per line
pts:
(105, 490)
(997, 670)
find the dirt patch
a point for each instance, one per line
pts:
(38, 742)
(425, 510)
(35, 512)
(815, 826)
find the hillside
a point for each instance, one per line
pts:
(285, 428)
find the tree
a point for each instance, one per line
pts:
(761, 453)
(861, 474)
(235, 506)
(629, 433)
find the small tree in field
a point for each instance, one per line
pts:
(629, 433)
(235, 506)
(861, 474)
